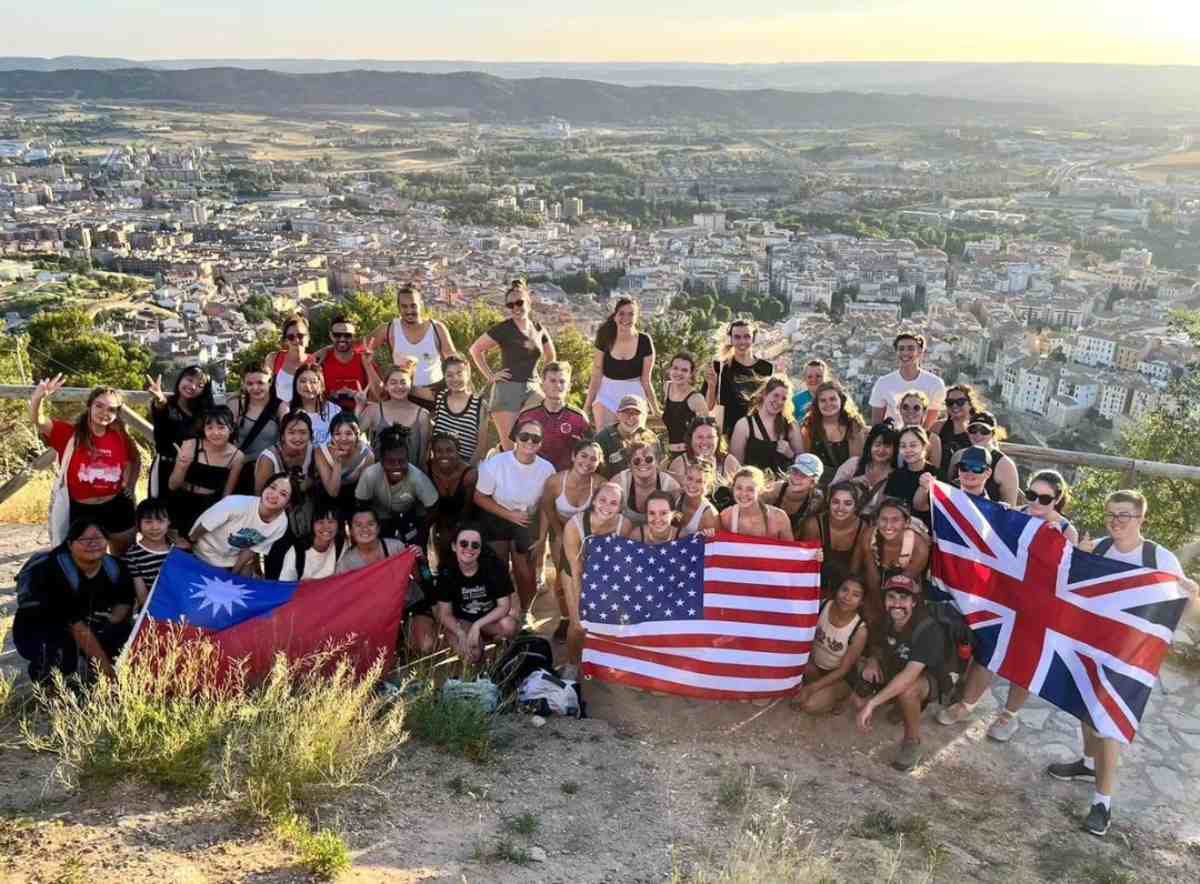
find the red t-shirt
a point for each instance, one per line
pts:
(95, 470)
(561, 430)
(350, 375)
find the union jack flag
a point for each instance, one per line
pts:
(1083, 632)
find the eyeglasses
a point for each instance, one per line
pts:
(956, 403)
(1043, 499)
(978, 470)
(980, 430)
(641, 461)
(469, 544)
(529, 437)
(511, 305)
(1123, 518)
(342, 335)
(91, 541)
(912, 406)
(295, 336)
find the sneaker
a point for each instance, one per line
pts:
(560, 632)
(908, 756)
(1005, 727)
(1097, 820)
(1071, 770)
(955, 713)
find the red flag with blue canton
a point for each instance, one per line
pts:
(253, 620)
(1083, 632)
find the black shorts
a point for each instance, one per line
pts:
(503, 531)
(115, 516)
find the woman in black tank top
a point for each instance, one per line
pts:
(682, 402)
(833, 529)
(962, 402)
(767, 437)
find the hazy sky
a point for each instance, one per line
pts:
(1115, 31)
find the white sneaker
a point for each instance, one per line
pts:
(1005, 727)
(955, 712)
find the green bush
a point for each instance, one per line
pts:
(457, 726)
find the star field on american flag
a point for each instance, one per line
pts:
(641, 583)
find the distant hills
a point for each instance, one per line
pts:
(1093, 88)
(487, 97)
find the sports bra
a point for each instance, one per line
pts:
(566, 510)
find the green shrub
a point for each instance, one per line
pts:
(457, 726)
(324, 853)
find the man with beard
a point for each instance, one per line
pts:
(349, 370)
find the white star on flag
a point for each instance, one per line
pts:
(219, 594)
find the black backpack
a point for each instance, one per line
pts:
(958, 641)
(1149, 551)
(27, 599)
(526, 653)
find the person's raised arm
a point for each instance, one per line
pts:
(920, 499)
(549, 353)
(445, 342)
(426, 431)
(329, 470)
(712, 381)
(44, 390)
(377, 338)
(481, 431)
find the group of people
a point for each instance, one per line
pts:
(326, 462)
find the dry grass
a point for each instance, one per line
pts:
(30, 505)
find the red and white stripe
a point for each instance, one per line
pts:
(761, 601)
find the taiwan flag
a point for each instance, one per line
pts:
(253, 620)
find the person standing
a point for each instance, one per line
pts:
(565, 426)
(256, 414)
(682, 402)
(914, 411)
(1003, 483)
(508, 492)
(459, 412)
(962, 402)
(521, 342)
(733, 378)
(283, 364)
(622, 365)
(414, 338)
(885, 395)
(99, 465)
(348, 370)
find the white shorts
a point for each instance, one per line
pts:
(612, 392)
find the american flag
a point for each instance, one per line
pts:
(731, 619)
(1084, 632)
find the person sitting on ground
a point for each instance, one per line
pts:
(797, 493)
(508, 492)
(566, 494)
(74, 603)
(99, 465)
(235, 531)
(614, 440)
(564, 424)
(292, 454)
(696, 512)
(256, 414)
(838, 644)
(473, 593)
(905, 664)
(315, 555)
(768, 437)
(601, 518)
(403, 498)
(643, 478)
(751, 517)
(661, 524)
(145, 557)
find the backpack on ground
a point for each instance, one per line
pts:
(1149, 551)
(526, 653)
(27, 599)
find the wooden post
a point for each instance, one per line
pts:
(43, 461)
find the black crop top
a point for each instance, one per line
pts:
(628, 369)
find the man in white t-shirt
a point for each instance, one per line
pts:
(885, 395)
(234, 532)
(1124, 514)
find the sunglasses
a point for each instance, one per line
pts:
(1043, 499)
(514, 304)
(641, 461)
(470, 544)
(980, 429)
(956, 403)
(529, 437)
(912, 406)
(295, 336)
(977, 470)
(1120, 517)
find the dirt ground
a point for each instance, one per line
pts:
(645, 787)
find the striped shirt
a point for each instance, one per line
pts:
(462, 425)
(144, 563)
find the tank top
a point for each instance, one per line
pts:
(565, 508)
(837, 565)
(427, 352)
(677, 416)
(760, 448)
(951, 442)
(583, 521)
(733, 520)
(453, 505)
(186, 505)
(209, 476)
(642, 535)
(693, 524)
(629, 487)
(462, 425)
(268, 434)
(991, 486)
(415, 438)
(830, 642)
(814, 501)
(832, 455)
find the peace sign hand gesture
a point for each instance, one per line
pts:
(154, 385)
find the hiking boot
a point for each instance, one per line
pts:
(1097, 820)
(560, 632)
(955, 713)
(908, 756)
(1071, 771)
(1005, 727)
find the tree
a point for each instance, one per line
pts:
(680, 333)
(367, 311)
(65, 341)
(250, 358)
(574, 348)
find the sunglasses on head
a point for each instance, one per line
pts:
(956, 403)
(470, 544)
(518, 303)
(528, 437)
(978, 470)
(1043, 499)
(980, 429)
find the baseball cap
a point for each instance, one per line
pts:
(632, 401)
(975, 457)
(982, 417)
(809, 464)
(901, 583)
